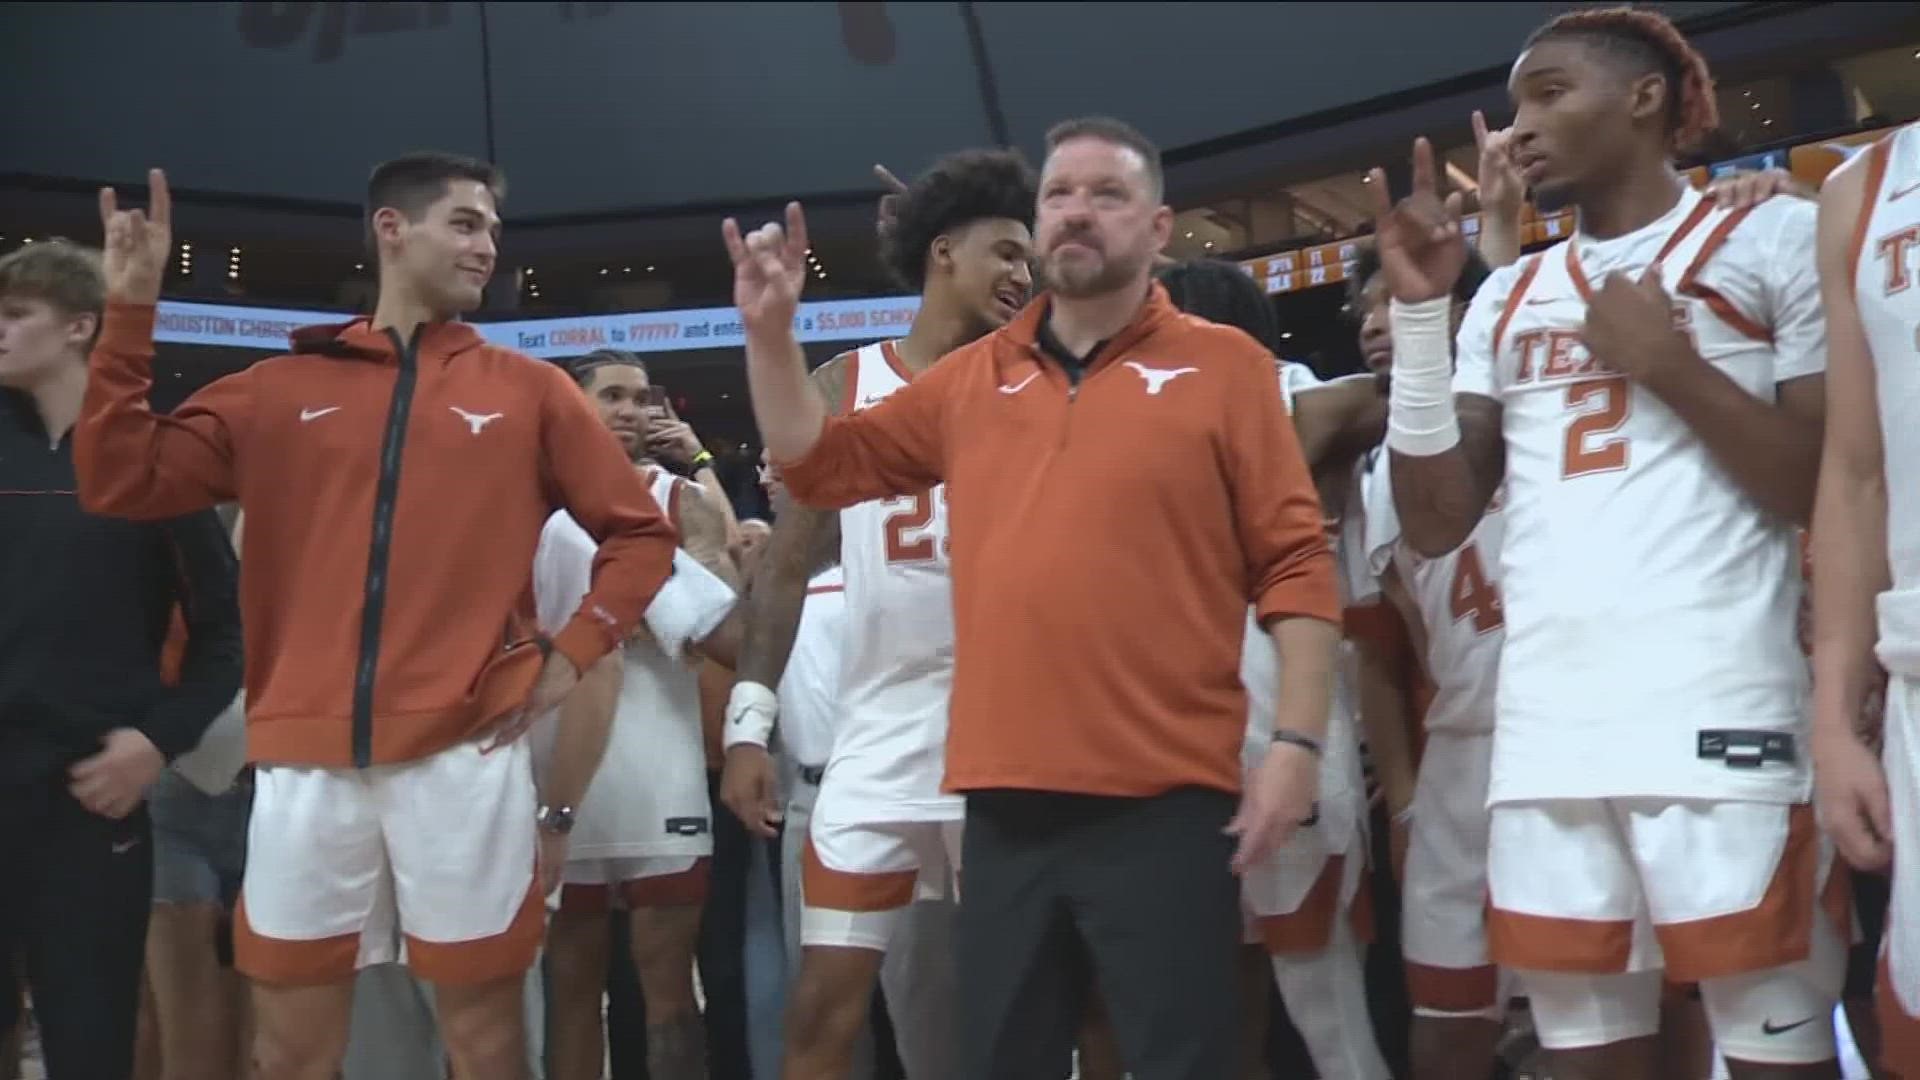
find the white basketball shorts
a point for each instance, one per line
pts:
(345, 864)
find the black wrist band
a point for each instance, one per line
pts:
(1304, 742)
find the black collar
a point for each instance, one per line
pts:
(1049, 344)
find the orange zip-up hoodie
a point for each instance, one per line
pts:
(1106, 539)
(394, 494)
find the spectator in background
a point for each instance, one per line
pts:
(86, 722)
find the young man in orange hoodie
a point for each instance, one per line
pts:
(395, 473)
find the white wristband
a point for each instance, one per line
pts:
(689, 606)
(751, 711)
(1420, 417)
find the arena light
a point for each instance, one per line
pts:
(649, 269)
(603, 271)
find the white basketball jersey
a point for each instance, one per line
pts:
(1650, 606)
(649, 796)
(1460, 607)
(889, 747)
(810, 687)
(1887, 291)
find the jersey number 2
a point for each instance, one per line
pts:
(1586, 452)
(1473, 596)
(907, 539)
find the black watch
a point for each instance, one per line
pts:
(554, 819)
(1294, 738)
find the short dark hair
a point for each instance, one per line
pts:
(412, 182)
(583, 367)
(960, 189)
(59, 272)
(1367, 264)
(1224, 293)
(1117, 132)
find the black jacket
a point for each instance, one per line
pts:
(85, 605)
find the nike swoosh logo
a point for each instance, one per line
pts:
(1768, 1027)
(1532, 300)
(1019, 386)
(1903, 192)
(315, 414)
(124, 846)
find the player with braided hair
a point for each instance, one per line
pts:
(1650, 393)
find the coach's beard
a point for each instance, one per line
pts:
(1079, 283)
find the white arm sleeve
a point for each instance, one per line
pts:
(689, 606)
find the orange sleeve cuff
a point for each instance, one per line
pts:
(1310, 591)
(803, 475)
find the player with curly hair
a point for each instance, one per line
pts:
(870, 832)
(1650, 392)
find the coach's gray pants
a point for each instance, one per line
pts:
(916, 976)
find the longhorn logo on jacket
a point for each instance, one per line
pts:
(1158, 378)
(476, 421)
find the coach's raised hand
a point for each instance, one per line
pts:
(1422, 247)
(137, 243)
(769, 270)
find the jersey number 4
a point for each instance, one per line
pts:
(908, 525)
(1601, 406)
(1473, 595)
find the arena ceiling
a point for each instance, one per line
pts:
(599, 109)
